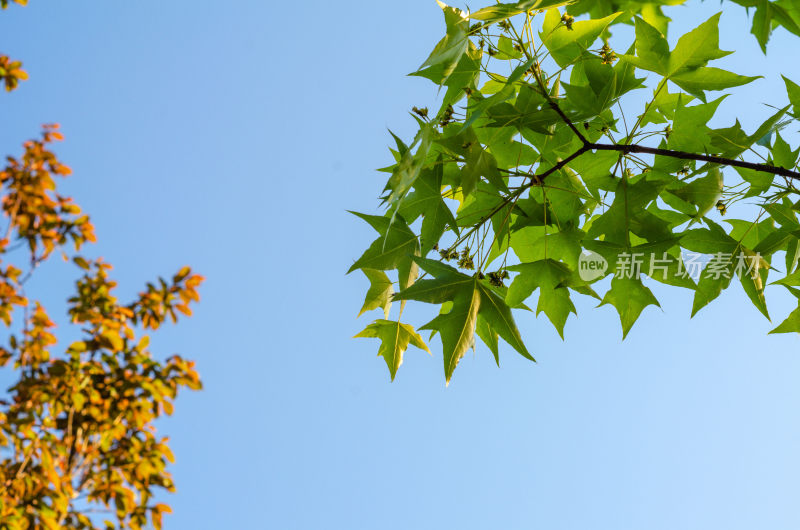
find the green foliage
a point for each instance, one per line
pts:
(395, 338)
(686, 64)
(538, 169)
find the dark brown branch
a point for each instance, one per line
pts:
(635, 148)
(566, 119)
(683, 155)
(625, 149)
(537, 179)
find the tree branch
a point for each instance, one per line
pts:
(566, 120)
(635, 148)
(683, 155)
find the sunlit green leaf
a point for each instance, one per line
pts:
(629, 296)
(451, 48)
(379, 293)
(567, 45)
(395, 338)
(549, 277)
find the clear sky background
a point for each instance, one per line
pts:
(232, 137)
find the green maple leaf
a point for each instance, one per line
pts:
(426, 200)
(480, 163)
(567, 45)
(616, 80)
(395, 338)
(690, 132)
(510, 153)
(791, 324)
(449, 51)
(503, 11)
(392, 250)
(769, 14)
(479, 105)
(686, 64)
(457, 327)
(784, 214)
(763, 134)
(626, 213)
(762, 23)
(629, 296)
(664, 106)
(483, 202)
(550, 277)
(594, 87)
(753, 281)
(489, 337)
(697, 47)
(379, 293)
(793, 91)
(464, 74)
(696, 81)
(407, 169)
(782, 154)
(510, 132)
(469, 297)
(595, 171)
(708, 240)
(730, 141)
(534, 245)
(703, 192)
(790, 280)
(497, 313)
(447, 282)
(751, 234)
(652, 49)
(506, 50)
(714, 279)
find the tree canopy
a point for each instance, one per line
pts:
(77, 436)
(542, 176)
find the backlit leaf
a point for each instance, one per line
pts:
(395, 338)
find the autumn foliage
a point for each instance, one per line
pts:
(78, 448)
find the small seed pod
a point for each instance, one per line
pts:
(421, 112)
(496, 279)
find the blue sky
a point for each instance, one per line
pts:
(233, 137)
